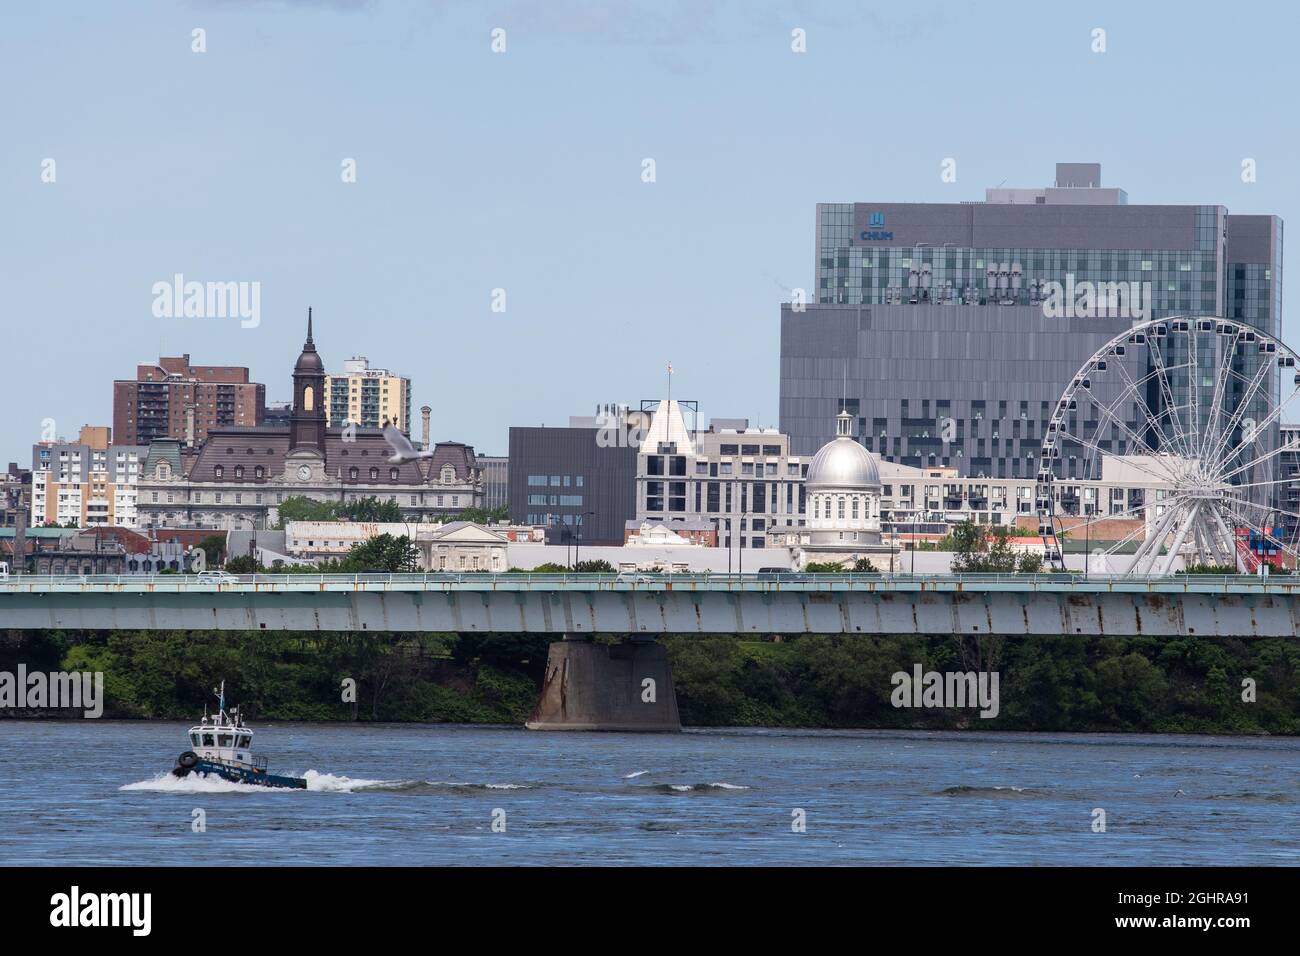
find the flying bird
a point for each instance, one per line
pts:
(403, 450)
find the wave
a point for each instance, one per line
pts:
(197, 783)
(634, 774)
(1251, 796)
(168, 782)
(337, 783)
(965, 791)
(317, 782)
(697, 787)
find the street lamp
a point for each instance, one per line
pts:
(914, 526)
(740, 546)
(579, 542)
(1087, 537)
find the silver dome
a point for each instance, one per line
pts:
(843, 463)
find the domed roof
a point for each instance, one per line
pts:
(843, 463)
(309, 360)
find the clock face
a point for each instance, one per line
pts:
(304, 472)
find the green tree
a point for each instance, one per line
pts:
(244, 564)
(383, 552)
(370, 508)
(824, 567)
(1210, 569)
(213, 545)
(479, 515)
(979, 549)
(302, 508)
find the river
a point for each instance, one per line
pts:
(97, 792)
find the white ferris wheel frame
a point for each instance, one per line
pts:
(1202, 510)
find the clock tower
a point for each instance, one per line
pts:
(307, 424)
(306, 456)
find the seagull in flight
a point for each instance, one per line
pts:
(403, 450)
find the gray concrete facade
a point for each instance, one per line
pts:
(995, 372)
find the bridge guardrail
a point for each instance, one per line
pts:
(644, 581)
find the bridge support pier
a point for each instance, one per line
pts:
(618, 687)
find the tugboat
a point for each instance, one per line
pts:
(222, 746)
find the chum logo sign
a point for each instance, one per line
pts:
(875, 221)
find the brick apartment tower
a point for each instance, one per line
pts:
(174, 399)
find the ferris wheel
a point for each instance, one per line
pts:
(1164, 452)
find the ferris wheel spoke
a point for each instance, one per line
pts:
(1150, 547)
(1267, 422)
(1256, 506)
(1194, 379)
(1220, 446)
(1097, 518)
(1212, 413)
(1120, 423)
(1266, 483)
(1119, 545)
(1166, 396)
(1155, 476)
(1152, 419)
(1226, 535)
(1264, 533)
(1273, 453)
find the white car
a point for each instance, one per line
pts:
(216, 577)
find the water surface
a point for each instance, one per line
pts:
(96, 793)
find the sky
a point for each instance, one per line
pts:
(524, 171)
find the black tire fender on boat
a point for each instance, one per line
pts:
(187, 760)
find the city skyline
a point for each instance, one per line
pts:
(601, 270)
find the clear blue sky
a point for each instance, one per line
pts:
(522, 171)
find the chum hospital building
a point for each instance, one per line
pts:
(929, 321)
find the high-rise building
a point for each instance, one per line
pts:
(496, 480)
(950, 330)
(370, 397)
(174, 399)
(743, 480)
(579, 480)
(86, 483)
(15, 494)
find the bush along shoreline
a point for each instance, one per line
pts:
(1058, 683)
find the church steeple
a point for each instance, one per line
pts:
(307, 424)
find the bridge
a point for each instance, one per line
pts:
(628, 686)
(650, 605)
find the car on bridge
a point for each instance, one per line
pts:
(216, 577)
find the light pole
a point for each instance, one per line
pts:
(579, 542)
(740, 546)
(915, 517)
(1087, 539)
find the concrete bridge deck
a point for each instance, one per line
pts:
(648, 604)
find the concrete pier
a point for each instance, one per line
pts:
(618, 687)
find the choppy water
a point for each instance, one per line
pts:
(95, 792)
